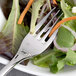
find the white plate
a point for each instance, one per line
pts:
(32, 69)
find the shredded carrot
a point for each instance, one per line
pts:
(25, 11)
(59, 23)
(54, 1)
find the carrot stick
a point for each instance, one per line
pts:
(59, 23)
(25, 11)
(54, 1)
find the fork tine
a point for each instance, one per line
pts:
(44, 37)
(54, 34)
(47, 24)
(52, 38)
(43, 20)
(51, 28)
(57, 20)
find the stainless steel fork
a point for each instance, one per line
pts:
(33, 44)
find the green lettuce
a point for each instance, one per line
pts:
(12, 34)
(65, 38)
(35, 13)
(67, 10)
(58, 64)
(56, 59)
(44, 59)
(71, 2)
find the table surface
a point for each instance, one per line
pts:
(16, 72)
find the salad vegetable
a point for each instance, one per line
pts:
(62, 38)
(63, 49)
(56, 60)
(58, 64)
(35, 13)
(67, 9)
(54, 1)
(48, 1)
(12, 34)
(25, 11)
(59, 23)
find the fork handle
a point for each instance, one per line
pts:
(16, 60)
(6, 69)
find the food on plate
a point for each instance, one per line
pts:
(22, 17)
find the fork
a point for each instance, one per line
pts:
(33, 44)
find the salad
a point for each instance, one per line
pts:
(22, 17)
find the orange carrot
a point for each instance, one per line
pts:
(54, 1)
(25, 11)
(59, 23)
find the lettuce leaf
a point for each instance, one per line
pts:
(53, 65)
(67, 10)
(55, 60)
(35, 13)
(12, 34)
(65, 38)
(69, 60)
(45, 59)
(70, 2)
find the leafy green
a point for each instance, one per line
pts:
(67, 10)
(12, 33)
(53, 65)
(57, 66)
(55, 60)
(27, 29)
(70, 60)
(35, 13)
(58, 0)
(48, 1)
(70, 2)
(43, 60)
(65, 38)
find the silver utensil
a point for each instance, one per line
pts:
(33, 44)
